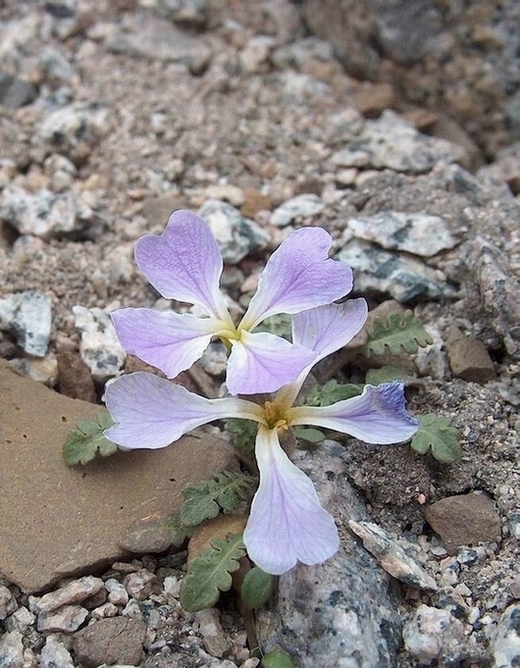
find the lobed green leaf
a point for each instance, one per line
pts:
(436, 434)
(396, 333)
(206, 499)
(279, 324)
(384, 374)
(244, 435)
(86, 441)
(209, 573)
(331, 392)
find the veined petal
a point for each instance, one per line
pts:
(169, 341)
(152, 412)
(328, 328)
(184, 262)
(263, 362)
(323, 330)
(287, 523)
(377, 416)
(298, 276)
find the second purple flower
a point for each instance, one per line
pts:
(184, 263)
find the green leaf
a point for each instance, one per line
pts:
(309, 434)
(396, 333)
(209, 573)
(437, 434)
(257, 587)
(331, 392)
(244, 435)
(384, 375)
(277, 659)
(279, 324)
(86, 441)
(205, 500)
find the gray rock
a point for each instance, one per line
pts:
(391, 142)
(391, 555)
(20, 620)
(75, 129)
(61, 172)
(8, 603)
(216, 642)
(15, 92)
(157, 39)
(214, 359)
(255, 55)
(99, 348)
(117, 593)
(417, 233)
(343, 609)
(11, 650)
(302, 53)
(301, 206)
(498, 290)
(73, 592)
(29, 316)
(236, 235)
(298, 88)
(192, 13)
(504, 169)
(403, 277)
(55, 68)
(66, 619)
(422, 48)
(61, 9)
(513, 522)
(141, 584)
(433, 634)
(54, 653)
(48, 214)
(506, 643)
(42, 369)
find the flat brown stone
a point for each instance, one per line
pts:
(58, 520)
(469, 358)
(109, 641)
(464, 519)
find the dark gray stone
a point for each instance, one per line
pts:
(506, 644)
(15, 92)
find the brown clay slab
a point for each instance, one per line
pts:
(57, 520)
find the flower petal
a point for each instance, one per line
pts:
(377, 416)
(169, 341)
(298, 276)
(323, 330)
(263, 362)
(287, 523)
(152, 412)
(184, 262)
(328, 328)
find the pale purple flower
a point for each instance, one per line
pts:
(287, 523)
(184, 263)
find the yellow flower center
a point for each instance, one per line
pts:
(228, 334)
(274, 416)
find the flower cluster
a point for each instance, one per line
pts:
(286, 523)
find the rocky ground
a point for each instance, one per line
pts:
(112, 115)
